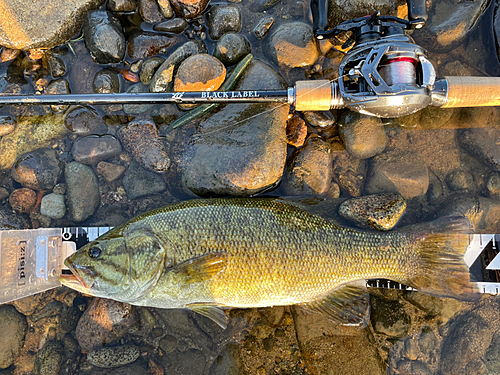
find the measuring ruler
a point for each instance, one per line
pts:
(32, 260)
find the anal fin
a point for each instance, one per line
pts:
(212, 312)
(347, 305)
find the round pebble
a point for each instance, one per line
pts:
(122, 5)
(149, 67)
(60, 87)
(23, 200)
(231, 48)
(493, 185)
(175, 25)
(113, 356)
(37, 170)
(320, 119)
(83, 195)
(94, 148)
(53, 206)
(7, 125)
(110, 172)
(223, 18)
(459, 180)
(106, 81)
(296, 131)
(84, 121)
(49, 359)
(201, 72)
(4, 193)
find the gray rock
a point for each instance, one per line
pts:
(142, 44)
(492, 355)
(309, 169)
(163, 79)
(57, 65)
(23, 27)
(70, 316)
(363, 136)
(252, 136)
(482, 144)
(406, 367)
(110, 172)
(348, 172)
(104, 37)
(122, 5)
(94, 148)
(459, 180)
(186, 362)
(231, 48)
(175, 26)
(113, 356)
(379, 211)
(53, 206)
(343, 10)
(189, 8)
(445, 308)
(49, 359)
(83, 195)
(263, 5)
(449, 23)
(493, 185)
(106, 81)
(293, 45)
(84, 121)
(13, 327)
(7, 125)
(37, 170)
(4, 193)
(58, 87)
(223, 19)
(148, 69)
(59, 189)
(462, 205)
(320, 119)
(131, 369)
(149, 11)
(393, 172)
(104, 323)
(139, 182)
(389, 317)
(263, 27)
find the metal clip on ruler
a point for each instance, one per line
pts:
(31, 261)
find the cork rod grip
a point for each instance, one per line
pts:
(313, 95)
(472, 92)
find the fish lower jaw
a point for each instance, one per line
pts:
(71, 281)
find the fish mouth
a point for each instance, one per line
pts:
(75, 280)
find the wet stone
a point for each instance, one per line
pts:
(110, 172)
(58, 87)
(445, 308)
(296, 131)
(56, 64)
(389, 317)
(23, 200)
(106, 81)
(348, 172)
(493, 185)
(53, 206)
(163, 79)
(94, 148)
(84, 121)
(394, 172)
(166, 8)
(4, 193)
(320, 119)
(37, 170)
(175, 26)
(139, 182)
(222, 19)
(13, 327)
(103, 323)
(7, 125)
(144, 44)
(492, 355)
(140, 138)
(149, 67)
(379, 211)
(113, 356)
(189, 8)
(49, 359)
(149, 11)
(459, 180)
(122, 5)
(231, 48)
(83, 195)
(460, 204)
(59, 189)
(363, 136)
(104, 37)
(135, 109)
(9, 54)
(262, 28)
(309, 169)
(482, 144)
(293, 45)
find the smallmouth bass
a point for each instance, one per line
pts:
(208, 254)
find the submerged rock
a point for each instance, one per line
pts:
(23, 200)
(113, 356)
(139, 182)
(143, 44)
(189, 8)
(349, 172)
(24, 28)
(231, 48)
(482, 143)
(223, 19)
(241, 149)
(38, 170)
(83, 195)
(94, 148)
(53, 206)
(84, 121)
(49, 359)
(13, 326)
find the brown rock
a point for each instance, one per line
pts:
(23, 200)
(110, 172)
(200, 72)
(143, 44)
(189, 8)
(296, 131)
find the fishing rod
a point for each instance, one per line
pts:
(384, 74)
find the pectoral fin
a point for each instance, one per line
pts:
(347, 305)
(212, 312)
(201, 268)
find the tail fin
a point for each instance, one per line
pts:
(439, 268)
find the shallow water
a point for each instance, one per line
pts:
(409, 333)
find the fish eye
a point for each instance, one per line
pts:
(95, 252)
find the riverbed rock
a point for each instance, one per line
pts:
(110, 172)
(189, 8)
(223, 18)
(293, 45)
(231, 48)
(142, 44)
(104, 37)
(49, 359)
(114, 356)
(251, 136)
(53, 206)
(46, 25)
(309, 169)
(37, 170)
(94, 148)
(174, 26)
(84, 121)
(122, 5)
(7, 125)
(13, 326)
(23, 200)
(83, 195)
(319, 119)
(106, 81)
(200, 72)
(58, 87)
(139, 182)
(349, 172)
(482, 143)
(378, 211)
(363, 136)
(343, 10)
(296, 131)
(163, 79)
(149, 11)
(148, 69)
